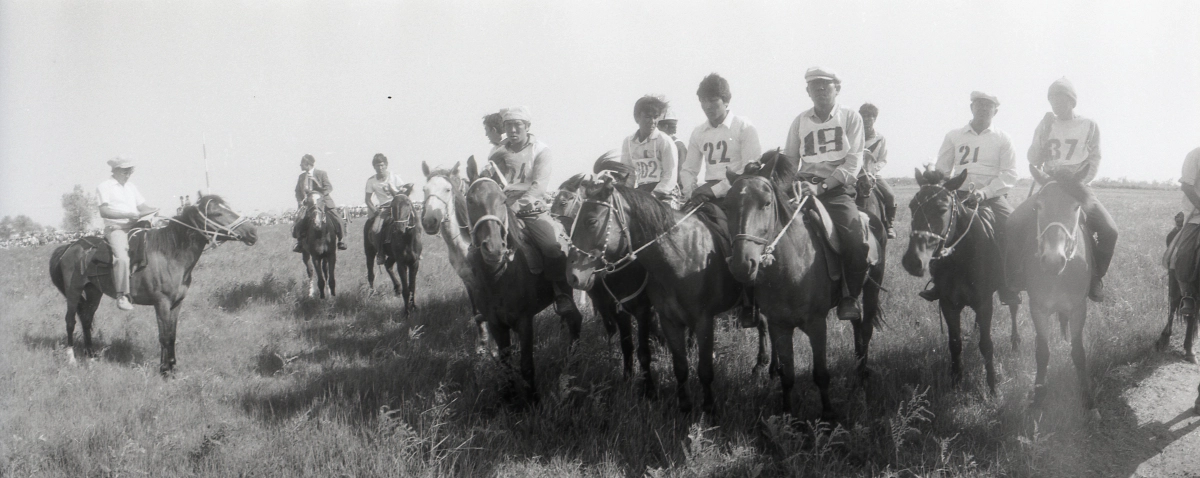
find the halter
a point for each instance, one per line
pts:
(407, 223)
(768, 256)
(449, 212)
(1071, 232)
(943, 251)
(625, 260)
(503, 222)
(220, 231)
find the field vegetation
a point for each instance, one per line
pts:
(270, 383)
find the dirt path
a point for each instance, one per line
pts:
(1162, 403)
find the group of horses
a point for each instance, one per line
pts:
(668, 271)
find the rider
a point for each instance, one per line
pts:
(828, 140)
(650, 152)
(1183, 257)
(493, 127)
(669, 124)
(874, 159)
(314, 180)
(121, 205)
(381, 186)
(986, 153)
(1065, 141)
(724, 142)
(526, 163)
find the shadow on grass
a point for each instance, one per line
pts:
(269, 289)
(119, 351)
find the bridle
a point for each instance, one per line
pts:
(408, 222)
(502, 221)
(1071, 232)
(943, 251)
(768, 256)
(449, 209)
(219, 232)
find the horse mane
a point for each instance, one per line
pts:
(573, 182)
(651, 217)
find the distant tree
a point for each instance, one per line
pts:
(79, 209)
(18, 225)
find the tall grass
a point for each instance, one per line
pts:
(271, 383)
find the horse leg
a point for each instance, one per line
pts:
(1078, 317)
(74, 300)
(1041, 319)
(677, 343)
(166, 335)
(319, 266)
(766, 355)
(330, 267)
(704, 365)
(1016, 335)
(395, 270)
(87, 312)
(953, 316)
(1174, 295)
(785, 363)
(1189, 338)
(370, 252)
(308, 268)
(645, 318)
(983, 319)
(525, 332)
(411, 289)
(817, 338)
(864, 329)
(625, 329)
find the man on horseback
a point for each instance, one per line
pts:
(1183, 251)
(669, 125)
(650, 152)
(828, 140)
(874, 159)
(381, 186)
(1065, 142)
(121, 205)
(314, 180)
(724, 142)
(526, 164)
(493, 127)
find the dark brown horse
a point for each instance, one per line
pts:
(170, 253)
(318, 246)
(511, 294)
(621, 297)
(775, 252)
(1059, 274)
(951, 241)
(401, 248)
(1174, 300)
(689, 279)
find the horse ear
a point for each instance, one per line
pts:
(1082, 173)
(472, 169)
(1038, 175)
(920, 177)
(454, 170)
(770, 163)
(957, 182)
(425, 169)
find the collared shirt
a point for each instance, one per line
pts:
(652, 159)
(527, 171)
(715, 149)
(1068, 145)
(830, 149)
(121, 198)
(987, 156)
(383, 189)
(875, 153)
(1191, 171)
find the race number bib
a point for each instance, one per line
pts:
(649, 168)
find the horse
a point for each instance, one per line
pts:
(511, 294)
(790, 273)
(401, 248)
(318, 246)
(444, 213)
(1174, 300)
(170, 254)
(950, 240)
(622, 295)
(1059, 275)
(689, 281)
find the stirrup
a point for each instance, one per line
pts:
(1187, 306)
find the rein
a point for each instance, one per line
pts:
(943, 251)
(623, 261)
(219, 231)
(768, 255)
(503, 222)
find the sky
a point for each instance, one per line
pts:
(255, 85)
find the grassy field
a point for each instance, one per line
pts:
(272, 384)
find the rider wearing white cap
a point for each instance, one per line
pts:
(828, 141)
(1065, 141)
(986, 153)
(526, 164)
(121, 204)
(669, 124)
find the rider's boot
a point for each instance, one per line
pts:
(297, 246)
(563, 300)
(341, 245)
(1096, 291)
(1009, 296)
(931, 293)
(747, 313)
(891, 231)
(848, 309)
(123, 302)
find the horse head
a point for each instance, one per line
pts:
(597, 232)
(489, 217)
(441, 188)
(402, 211)
(934, 209)
(216, 220)
(758, 212)
(315, 214)
(568, 199)
(1060, 218)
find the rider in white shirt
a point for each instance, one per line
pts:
(121, 205)
(381, 186)
(650, 152)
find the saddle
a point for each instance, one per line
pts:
(820, 225)
(98, 254)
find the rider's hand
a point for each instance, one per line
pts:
(700, 196)
(976, 197)
(810, 189)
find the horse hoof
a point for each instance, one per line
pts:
(71, 356)
(1190, 357)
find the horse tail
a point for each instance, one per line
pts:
(56, 273)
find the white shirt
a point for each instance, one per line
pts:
(1191, 168)
(121, 198)
(1066, 144)
(988, 157)
(715, 149)
(383, 189)
(653, 160)
(827, 149)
